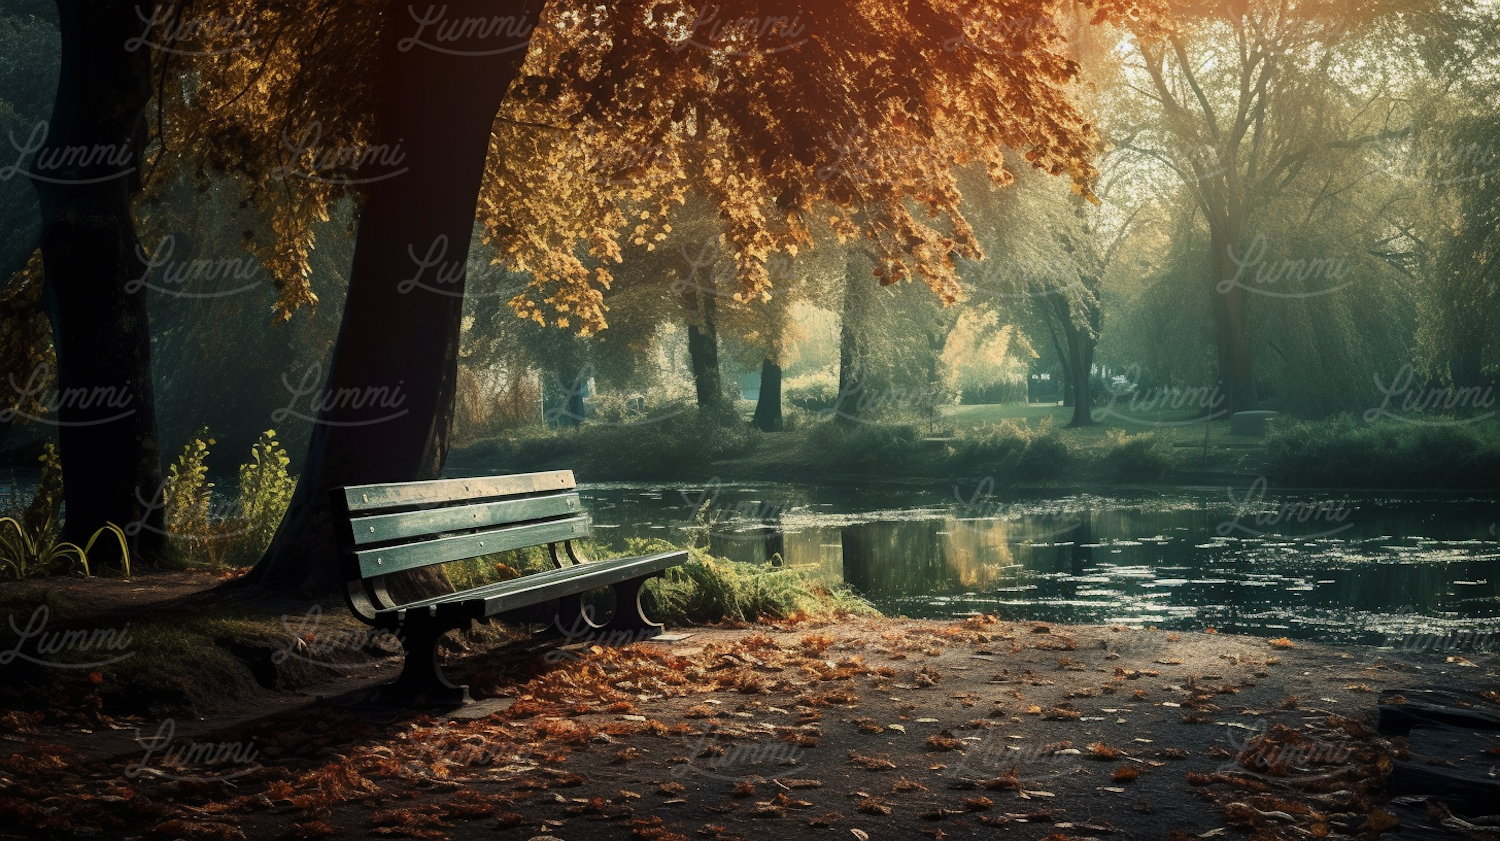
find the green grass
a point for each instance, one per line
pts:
(1016, 444)
(1345, 452)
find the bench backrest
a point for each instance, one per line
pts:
(384, 529)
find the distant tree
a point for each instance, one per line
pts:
(1239, 103)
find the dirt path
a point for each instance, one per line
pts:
(866, 728)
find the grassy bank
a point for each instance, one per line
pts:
(1349, 453)
(1017, 445)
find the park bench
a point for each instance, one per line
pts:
(391, 528)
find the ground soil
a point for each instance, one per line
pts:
(865, 728)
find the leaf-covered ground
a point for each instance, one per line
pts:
(866, 729)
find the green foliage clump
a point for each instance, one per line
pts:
(1142, 457)
(1013, 448)
(711, 589)
(31, 543)
(265, 491)
(188, 493)
(197, 533)
(1344, 452)
(816, 391)
(860, 447)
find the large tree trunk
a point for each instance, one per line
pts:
(393, 375)
(85, 176)
(703, 353)
(1082, 364)
(1077, 352)
(852, 341)
(1231, 328)
(768, 404)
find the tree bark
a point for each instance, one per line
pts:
(1231, 330)
(768, 404)
(1077, 353)
(852, 341)
(703, 352)
(85, 176)
(386, 412)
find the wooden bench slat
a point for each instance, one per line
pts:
(382, 528)
(377, 497)
(384, 561)
(528, 590)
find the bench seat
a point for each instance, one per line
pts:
(396, 528)
(501, 597)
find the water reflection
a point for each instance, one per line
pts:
(1336, 570)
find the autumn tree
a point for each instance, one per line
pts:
(413, 114)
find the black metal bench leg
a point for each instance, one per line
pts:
(574, 618)
(630, 617)
(423, 673)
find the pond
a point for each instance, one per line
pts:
(1247, 560)
(1332, 568)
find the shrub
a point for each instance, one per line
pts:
(711, 589)
(201, 533)
(188, 493)
(817, 391)
(1143, 457)
(265, 492)
(860, 447)
(1014, 448)
(1345, 452)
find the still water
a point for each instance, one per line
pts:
(1247, 560)
(1335, 568)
